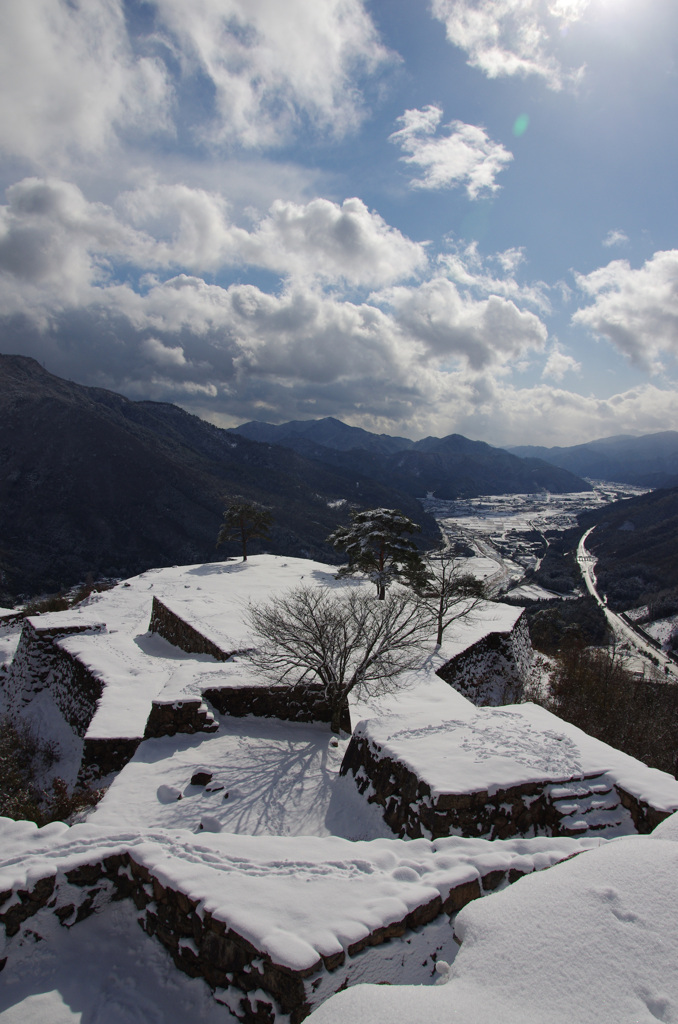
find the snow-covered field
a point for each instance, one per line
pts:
(288, 849)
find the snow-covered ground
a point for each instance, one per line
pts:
(592, 939)
(293, 853)
(661, 629)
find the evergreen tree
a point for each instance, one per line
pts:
(244, 520)
(376, 545)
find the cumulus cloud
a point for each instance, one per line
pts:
(511, 37)
(637, 310)
(55, 244)
(61, 246)
(553, 416)
(465, 156)
(558, 364)
(615, 237)
(163, 355)
(321, 238)
(494, 275)
(480, 333)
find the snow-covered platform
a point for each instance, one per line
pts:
(150, 656)
(490, 772)
(274, 925)
(136, 660)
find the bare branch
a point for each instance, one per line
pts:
(346, 641)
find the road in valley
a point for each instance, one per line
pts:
(621, 628)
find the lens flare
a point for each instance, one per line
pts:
(520, 125)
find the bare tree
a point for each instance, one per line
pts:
(244, 520)
(449, 592)
(346, 642)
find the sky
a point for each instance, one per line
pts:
(419, 216)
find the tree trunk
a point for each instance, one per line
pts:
(243, 535)
(335, 724)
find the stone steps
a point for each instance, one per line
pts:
(589, 806)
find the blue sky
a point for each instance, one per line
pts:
(419, 216)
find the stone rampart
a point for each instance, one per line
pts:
(301, 702)
(410, 808)
(182, 634)
(246, 979)
(189, 715)
(493, 671)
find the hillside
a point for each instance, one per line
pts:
(635, 543)
(451, 467)
(95, 483)
(648, 461)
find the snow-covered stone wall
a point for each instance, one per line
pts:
(274, 925)
(493, 671)
(39, 663)
(300, 702)
(182, 634)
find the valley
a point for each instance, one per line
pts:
(509, 531)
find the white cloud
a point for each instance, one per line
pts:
(333, 242)
(54, 245)
(275, 64)
(637, 310)
(615, 237)
(511, 37)
(163, 355)
(468, 269)
(59, 246)
(558, 364)
(69, 79)
(77, 78)
(464, 156)
(480, 333)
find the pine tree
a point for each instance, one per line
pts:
(376, 546)
(244, 520)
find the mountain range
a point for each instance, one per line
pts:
(450, 467)
(93, 483)
(647, 461)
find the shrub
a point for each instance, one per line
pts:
(594, 690)
(22, 758)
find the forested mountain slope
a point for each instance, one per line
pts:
(452, 466)
(648, 461)
(94, 483)
(636, 543)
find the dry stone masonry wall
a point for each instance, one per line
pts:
(180, 633)
(493, 671)
(246, 979)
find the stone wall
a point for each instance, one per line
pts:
(301, 702)
(410, 809)
(169, 625)
(101, 757)
(493, 671)
(243, 977)
(167, 718)
(645, 817)
(39, 662)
